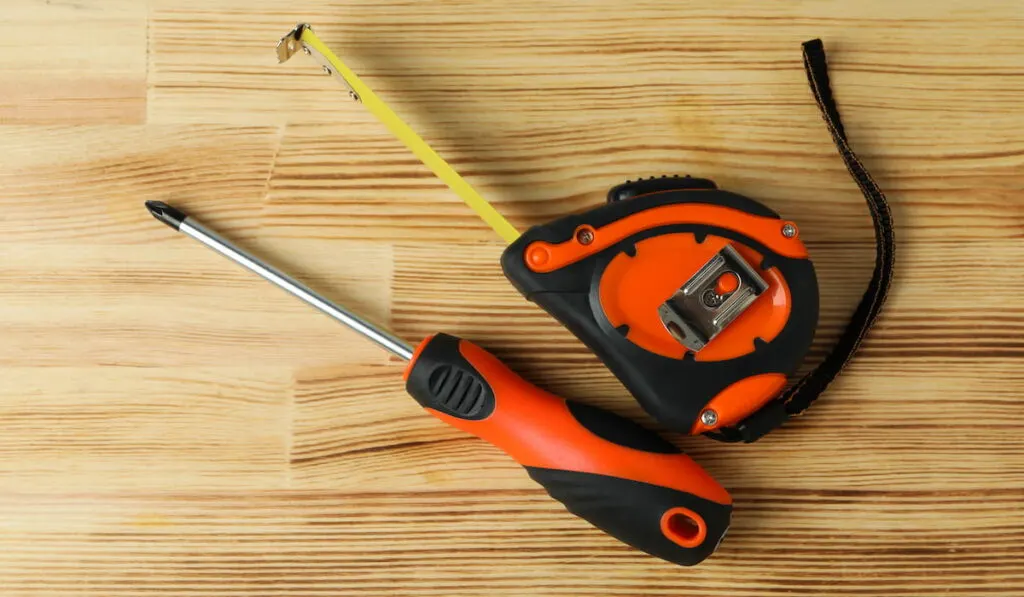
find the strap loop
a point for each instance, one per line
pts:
(796, 399)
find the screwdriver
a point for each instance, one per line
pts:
(620, 477)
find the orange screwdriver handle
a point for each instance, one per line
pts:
(620, 477)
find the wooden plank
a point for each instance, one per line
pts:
(221, 62)
(179, 304)
(73, 62)
(356, 181)
(68, 185)
(115, 428)
(473, 542)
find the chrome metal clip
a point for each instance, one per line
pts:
(292, 42)
(711, 299)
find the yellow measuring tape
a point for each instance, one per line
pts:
(303, 39)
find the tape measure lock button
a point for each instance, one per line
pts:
(537, 256)
(727, 283)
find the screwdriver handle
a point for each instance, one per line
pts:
(622, 478)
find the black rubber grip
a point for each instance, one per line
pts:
(633, 512)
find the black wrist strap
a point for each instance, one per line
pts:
(796, 399)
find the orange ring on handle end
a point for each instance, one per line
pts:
(683, 527)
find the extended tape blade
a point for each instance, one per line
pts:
(302, 38)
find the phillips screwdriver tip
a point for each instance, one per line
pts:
(166, 214)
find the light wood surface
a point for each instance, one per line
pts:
(171, 425)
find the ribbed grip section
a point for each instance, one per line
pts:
(456, 391)
(440, 378)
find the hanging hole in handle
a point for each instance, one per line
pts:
(683, 527)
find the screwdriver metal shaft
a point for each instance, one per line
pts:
(190, 227)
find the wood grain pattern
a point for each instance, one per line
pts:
(88, 67)
(173, 426)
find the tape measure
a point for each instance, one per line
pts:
(699, 300)
(702, 302)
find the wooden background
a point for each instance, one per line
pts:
(171, 425)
